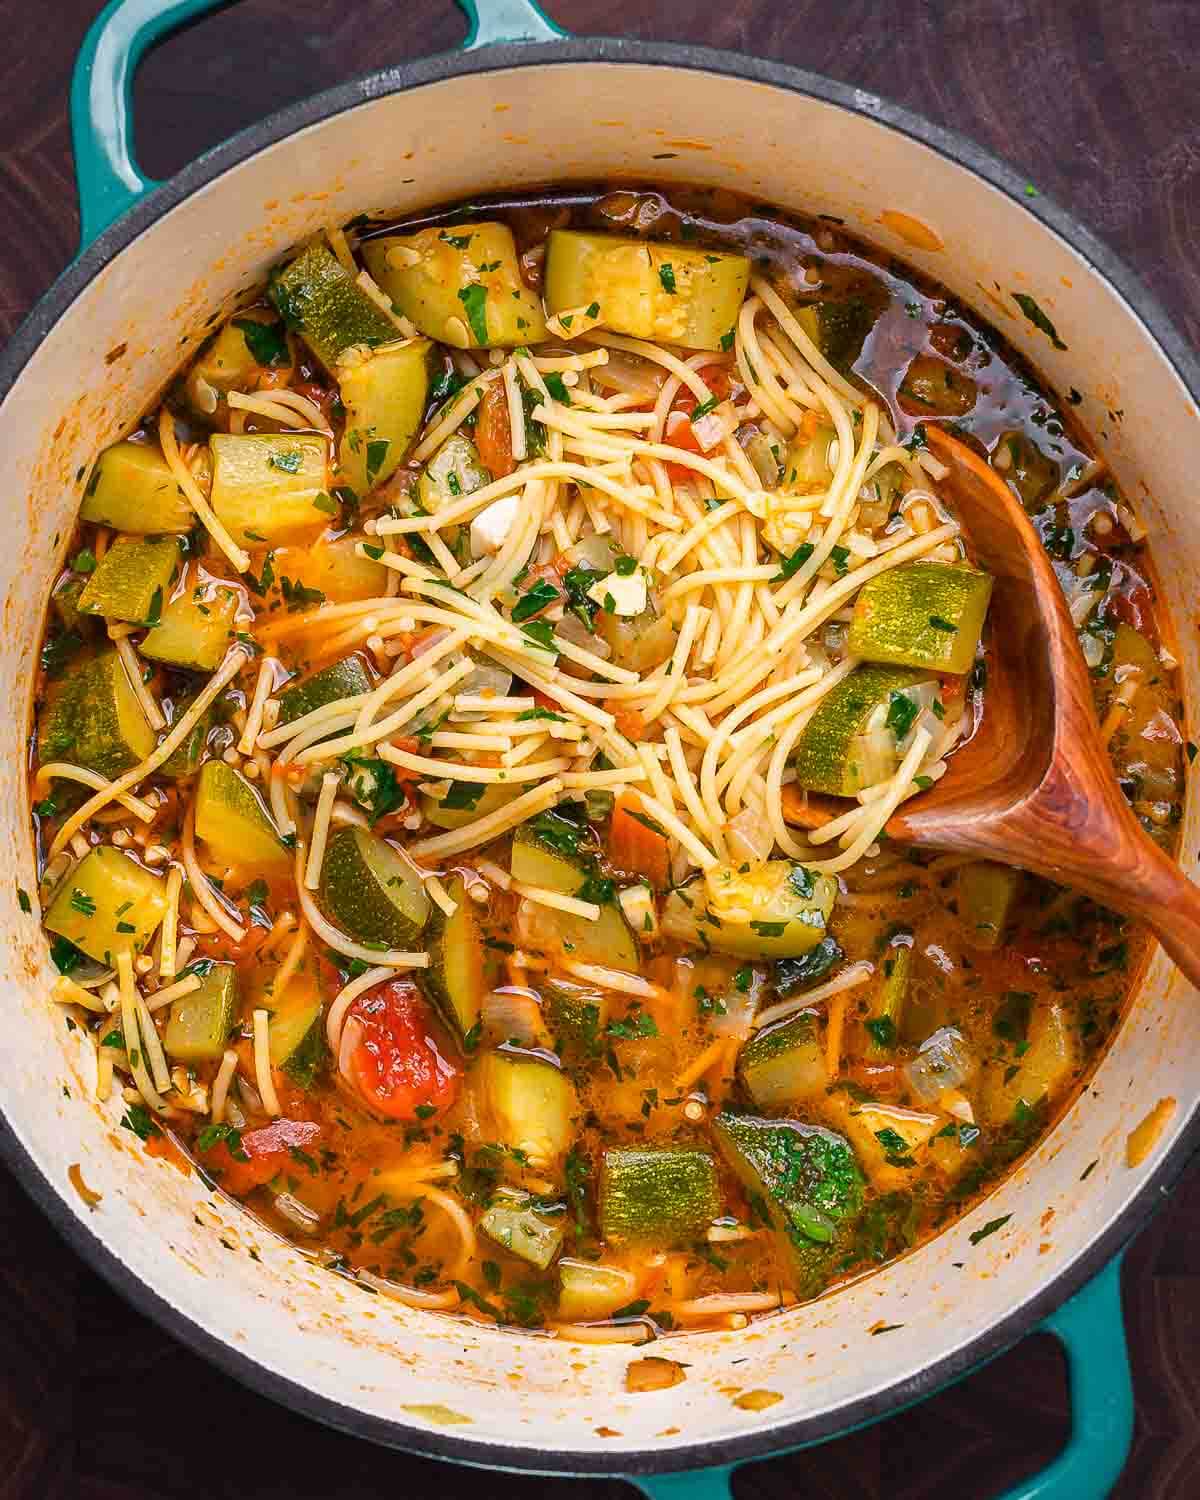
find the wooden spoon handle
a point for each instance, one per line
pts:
(1169, 903)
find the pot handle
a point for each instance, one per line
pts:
(106, 170)
(1091, 1329)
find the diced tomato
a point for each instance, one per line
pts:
(633, 844)
(401, 1065)
(258, 1155)
(493, 432)
(628, 722)
(678, 430)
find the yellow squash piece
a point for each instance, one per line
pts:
(108, 904)
(197, 624)
(668, 293)
(233, 822)
(133, 490)
(385, 392)
(459, 284)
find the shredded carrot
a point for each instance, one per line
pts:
(635, 844)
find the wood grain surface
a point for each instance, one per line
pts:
(1098, 102)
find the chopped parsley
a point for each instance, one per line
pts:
(474, 301)
(666, 274)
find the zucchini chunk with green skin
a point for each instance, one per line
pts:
(453, 471)
(577, 1017)
(589, 1289)
(460, 284)
(232, 821)
(528, 1105)
(803, 1179)
(297, 1040)
(491, 799)
(656, 1195)
(839, 329)
(987, 893)
(108, 904)
(1021, 463)
(921, 614)
(371, 892)
(250, 352)
(833, 754)
(324, 304)
(1044, 1070)
(774, 910)
(196, 625)
(385, 392)
(668, 293)
(545, 853)
(201, 1022)
(514, 1225)
(784, 1065)
(266, 486)
(91, 717)
(133, 490)
(883, 1025)
(185, 761)
(132, 581)
(65, 602)
(456, 978)
(343, 679)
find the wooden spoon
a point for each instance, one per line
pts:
(1034, 787)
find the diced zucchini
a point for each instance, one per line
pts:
(252, 348)
(887, 1015)
(987, 893)
(371, 892)
(266, 486)
(133, 490)
(108, 904)
(804, 1178)
(91, 717)
(933, 386)
(774, 910)
(185, 761)
(1043, 1072)
(668, 293)
(529, 1105)
(1019, 460)
(324, 304)
(233, 821)
(638, 642)
(491, 799)
(297, 1038)
(201, 1022)
(453, 471)
(460, 284)
(335, 569)
(385, 392)
(785, 1065)
(540, 858)
(839, 329)
(921, 614)
(132, 581)
(834, 754)
(590, 1289)
(456, 979)
(343, 679)
(808, 465)
(656, 1195)
(885, 1137)
(577, 1016)
(196, 625)
(514, 1225)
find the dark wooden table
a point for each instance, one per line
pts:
(1098, 102)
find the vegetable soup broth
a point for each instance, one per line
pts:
(466, 926)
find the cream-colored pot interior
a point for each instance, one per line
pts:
(107, 357)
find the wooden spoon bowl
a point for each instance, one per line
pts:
(1034, 787)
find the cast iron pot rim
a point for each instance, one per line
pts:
(769, 1438)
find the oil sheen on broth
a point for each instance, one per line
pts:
(469, 932)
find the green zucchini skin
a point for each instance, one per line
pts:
(233, 821)
(91, 718)
(657, 1196)
(823, 756)
(785, 1064)
(343, 679)
(321, 301)
(132, 581)
(370, 892)
(457, 976)
(544, 861)
(921, 614)
(200, 1023)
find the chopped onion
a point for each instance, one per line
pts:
(298, 1214)
(572, 629)
(750, 836)
(761, 454)
(944, 1062)
(593, 551)
(629, 375)
(513, 1014)
(741, 1007)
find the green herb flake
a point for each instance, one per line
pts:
(288, 462)
(901, 715)
(989, 1228)
(267, 342)
(666, 274)
(1038, 318)
(557, 388)
(945, 626)
(474, 300)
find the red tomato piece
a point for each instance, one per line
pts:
(400, 1065)
(258, 1155)
(493, 432)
